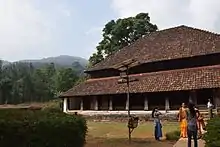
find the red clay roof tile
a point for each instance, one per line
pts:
(173, 43)
(173, 80)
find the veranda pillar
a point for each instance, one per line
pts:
(96, 104)
(81, 104)
(216, 99)
(110, 104)
(193, 97)
(167, 104)
(146, 107)
(65, 103)
(127, 104)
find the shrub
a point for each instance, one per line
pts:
(174, 135)
(25, 128)
(212, 137)
(54, 105)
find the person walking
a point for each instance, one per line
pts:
(157, 124)
(210, 107)
(183, 122)
(192, 127)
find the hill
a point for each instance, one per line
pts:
(62, 60)
(78, 63)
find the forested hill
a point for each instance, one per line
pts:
(38, 80)
(63, 61)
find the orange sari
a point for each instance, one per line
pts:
(183, 122)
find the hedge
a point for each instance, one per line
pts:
(25, 128)
(212, 137)
(173, 136)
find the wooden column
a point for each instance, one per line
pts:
(127, 104)
(65, 104)
(110, 104)
(216, 99)
(146, 104)
(81, 104)
(96, 104)
(193, 97)
(167, 104)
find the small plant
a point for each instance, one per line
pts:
(173, 136)
(212, 137)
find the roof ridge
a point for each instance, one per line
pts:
(157, 72)
(203, 30)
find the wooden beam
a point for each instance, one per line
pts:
(122, 81)
(126, 64)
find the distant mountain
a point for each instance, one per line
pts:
(77, 63)
(63, 60)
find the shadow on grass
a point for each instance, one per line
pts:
(124, 142)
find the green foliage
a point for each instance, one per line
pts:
(21, 82)
(120, 33)
(65, 79)
(212, 137)
(173, 136)
(53, 106)
(25, 128)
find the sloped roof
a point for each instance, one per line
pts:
(173, 80)
(173, 43)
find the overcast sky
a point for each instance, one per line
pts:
(31, 29)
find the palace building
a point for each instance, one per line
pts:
(175, 65)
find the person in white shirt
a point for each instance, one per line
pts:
(210, 107)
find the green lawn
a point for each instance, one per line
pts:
(115, 134)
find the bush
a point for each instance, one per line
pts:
(212, 137)
(25, 128)
(173, 136)
(53, 106)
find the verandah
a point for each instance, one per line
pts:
(142, 101)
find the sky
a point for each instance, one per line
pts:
(34, 29)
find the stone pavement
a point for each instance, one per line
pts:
(183, 143)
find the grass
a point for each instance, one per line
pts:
(115, 134)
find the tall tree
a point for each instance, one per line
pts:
(65, 79)
(120, 33)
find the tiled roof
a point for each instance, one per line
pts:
(173, 80)
(173, 43)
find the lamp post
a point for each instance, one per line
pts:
(124, 78)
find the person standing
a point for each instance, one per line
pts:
(200, 122)
(210, 107)
(192, 127)
(157, 123)
(183, 122)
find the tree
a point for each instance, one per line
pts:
(120, 33)
(22, 82)
(65, 79)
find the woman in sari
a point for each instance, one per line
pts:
(182, 117)
(157, 124)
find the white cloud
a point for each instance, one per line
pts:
(203, 14)
(25, 29)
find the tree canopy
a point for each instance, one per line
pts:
(21, 82)
(120, 33)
